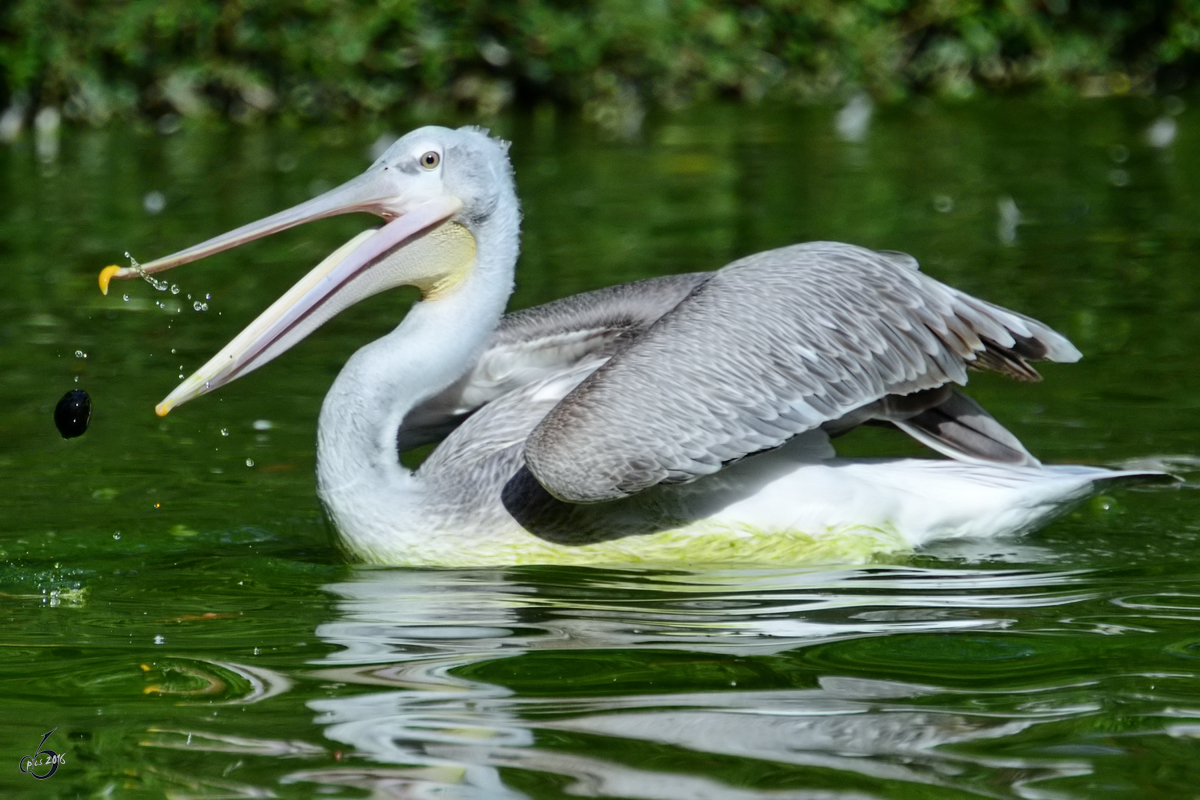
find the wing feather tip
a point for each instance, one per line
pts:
(563, 474)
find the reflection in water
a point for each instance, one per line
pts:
(471, 678)
(881, 683)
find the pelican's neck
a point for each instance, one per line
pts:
(359, 475)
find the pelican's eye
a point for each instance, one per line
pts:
(430, 160)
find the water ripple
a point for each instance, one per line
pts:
(857, 673)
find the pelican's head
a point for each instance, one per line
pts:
(432, 162)
(435, 188)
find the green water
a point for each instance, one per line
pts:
(182, 620)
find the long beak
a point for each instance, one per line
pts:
(374, 191)
(417, 248)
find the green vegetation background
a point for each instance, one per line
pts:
(98, 59)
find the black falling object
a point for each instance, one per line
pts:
(73, 413)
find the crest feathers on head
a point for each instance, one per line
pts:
(504, 143)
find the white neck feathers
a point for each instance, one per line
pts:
(359, 475)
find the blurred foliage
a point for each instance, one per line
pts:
(96, 59)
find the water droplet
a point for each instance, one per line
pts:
(117, 536)
(172, 349)
(224, 431)
(150, 279)
(125, 298)
(256, 651)
(249, 462)
(174, 288)
(159, 639)
(200, 306)
(80, 354)
(208, 384)
(208, 297)
(262, 425)
(77, 379)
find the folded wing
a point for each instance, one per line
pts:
(770, 346)
(539, 342)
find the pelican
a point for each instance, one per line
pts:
(678, 420)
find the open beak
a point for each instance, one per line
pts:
(376, 191)
(420, 246)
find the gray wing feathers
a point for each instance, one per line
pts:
(628, 306)
(770, 346)
(960, 428)
(469, 469)
(538, 342)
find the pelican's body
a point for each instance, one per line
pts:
(616, 426)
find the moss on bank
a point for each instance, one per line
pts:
(312, 59)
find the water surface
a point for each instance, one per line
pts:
(176, 611)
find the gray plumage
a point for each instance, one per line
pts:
(681, 375)
(770, 346)
(538, 342)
